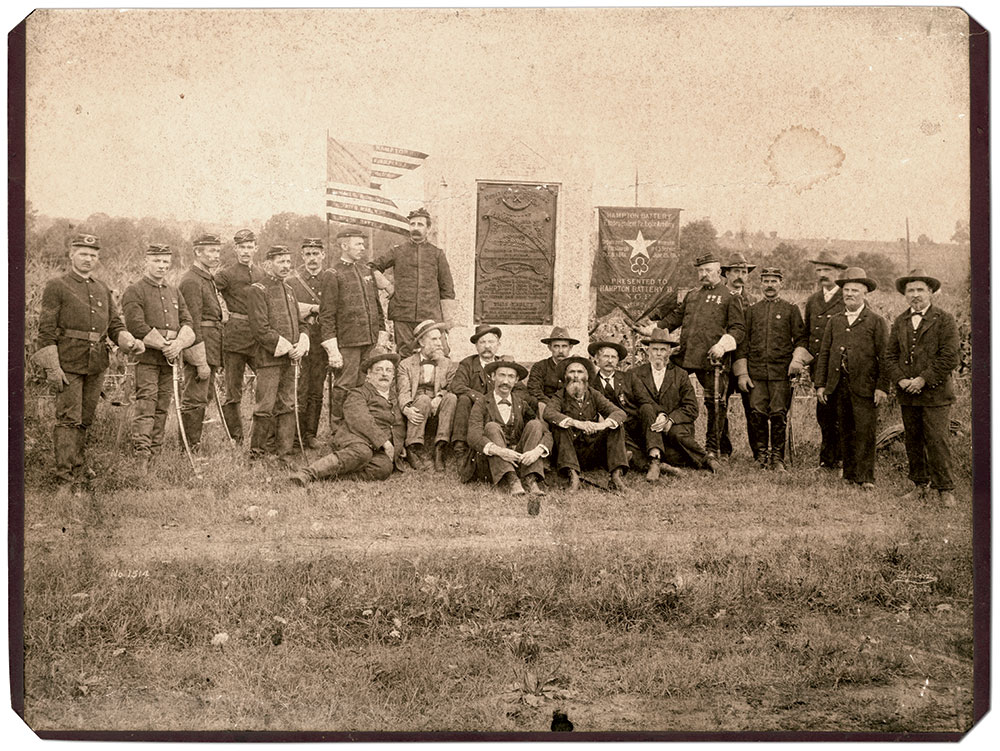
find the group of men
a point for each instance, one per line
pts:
(415, 409)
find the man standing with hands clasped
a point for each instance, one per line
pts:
(922, 352)
(851, 374)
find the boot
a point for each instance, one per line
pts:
(193, 420)
(415, 455)
(262, 429)
(653, 473)
(82, 467)
(310, 426)
(459, 450)
(284, 434)
(231, 413)
(778, 432)
(65, 446)
(324, 467)
(439, 448)
(142, 465)
(574, 480)
(711, 438)
(760, 432)
(618, 481)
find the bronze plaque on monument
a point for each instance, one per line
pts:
(515, 253)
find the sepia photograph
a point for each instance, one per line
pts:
(496, 373)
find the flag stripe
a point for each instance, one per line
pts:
(361, 208)
(358, 193)
(419, 155)
(383, 162)
(350, 217)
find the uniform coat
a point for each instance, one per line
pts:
(274, 313)
(201, 297)
(422, 279)
(234, 283)
(309, 291)
(704, 316)
(149, 305)
(350, 310)
(773, 330)
(544, 380)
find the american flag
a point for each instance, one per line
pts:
(355, 173)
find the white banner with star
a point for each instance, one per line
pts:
(636, 258)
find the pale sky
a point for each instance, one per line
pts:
(693, 98)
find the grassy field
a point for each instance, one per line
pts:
(742, 601)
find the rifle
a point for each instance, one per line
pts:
(175, 366)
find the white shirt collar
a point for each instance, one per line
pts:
(829, 293)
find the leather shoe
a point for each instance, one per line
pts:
(574, 480)
(514, 486)
(711, 464)
(653, 473)
(299, 478)
(531, 484)
(618, 481)
(947, 498)
(778, 466)
(312, 443)
(916, 493)
(868, 486)
(670, 469)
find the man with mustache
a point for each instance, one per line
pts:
(156, 313)
(78, 314)
(821, 307)
(509, 441)
(238, 345)
(615, 384)
(587, 428)
(280, 343)
(424, 400)
(207, 317)
(773, 351)
(369, 438)
(545, 377)
(471, 383)
(852, 374)
(711, 321)
(923, 350)
(424, 289)
(735, 273)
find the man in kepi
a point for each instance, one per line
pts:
(851, 373)
(587, 428)
(370, 436)
(922, 352)
(545, 376)
(204, 358)
(280, 345)
(711, 321)
(772, 352)
(238, 344)
(424, 289)
(350, 317)
(156, 313)
(509, 440)
(307, 282)
(424, 400)
(822, 305)
(735, 273)
(668, 408)
(470, 383)
(78, 314)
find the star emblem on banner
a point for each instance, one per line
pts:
(640, 246)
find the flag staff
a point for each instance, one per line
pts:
(908, 266)
(325, 212)
(637, 185)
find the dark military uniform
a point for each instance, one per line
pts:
(352, 314)
(704, 317)
(77, 315)
(422, 279)
(676, 399)
(850, 367)
(575, 449)
(725, 443)
(817, 315)
(205, 306)
(774, 330)
(309, 290)
(544, 380)
(149, 305)
(238, 343)
(274, 315)
(931, 352)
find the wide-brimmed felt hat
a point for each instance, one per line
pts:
(484, 328)
(827, 259)
(858, 275)
(522, 372)
(707, 258)
(738, 259)
(378, 357)
(594, 347)
(586, 362)
(662, 336)
(424, 326)
(917, 275)
(559, 334)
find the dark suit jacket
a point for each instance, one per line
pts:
(622, 396)
(931, 353)
(485, 410)
(818, 315)
(562, 405)
(544, 380)
(862, 346)
(371, 418)
(675, 397)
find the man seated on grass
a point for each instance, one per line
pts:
(668, 409)
(509, 440)
(588, 429)
(545, 376)
(427, 405)
(371, 433)
(470, 383)
(615, 384)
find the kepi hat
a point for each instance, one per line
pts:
(85, 241)
(157, 249)
(559, 334)
(522, 372)
(707, 258)
(350, 232)
(917, 275)
(483, 329)
(312, 242)
(419, 212)
(207, 239)
(594, 347)
(277, 250)
(858, 275)
(827, 259)
(244, 236)
(771, 271)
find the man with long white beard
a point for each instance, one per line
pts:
(588, 429)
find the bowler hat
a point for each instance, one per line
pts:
(483, 329)
(156, 249)
(207, 239)
(559, 334)
(277, 250)
(826, 259)
(858, 275)
(378, 357)
(584, 361)
(662, 336)
(312, 242)
(917, 275)
(424, 326)
(244, 236)
(522, 372)
(738, 259)
(85, 241)
(594, 347)
(707, 258)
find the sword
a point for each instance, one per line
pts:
(790, 450)
(222, 415)
(717, 429)
(176, 367)
(295, 400)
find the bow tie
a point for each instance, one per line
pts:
(427, 362)
(505, 401)
(916, 314)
